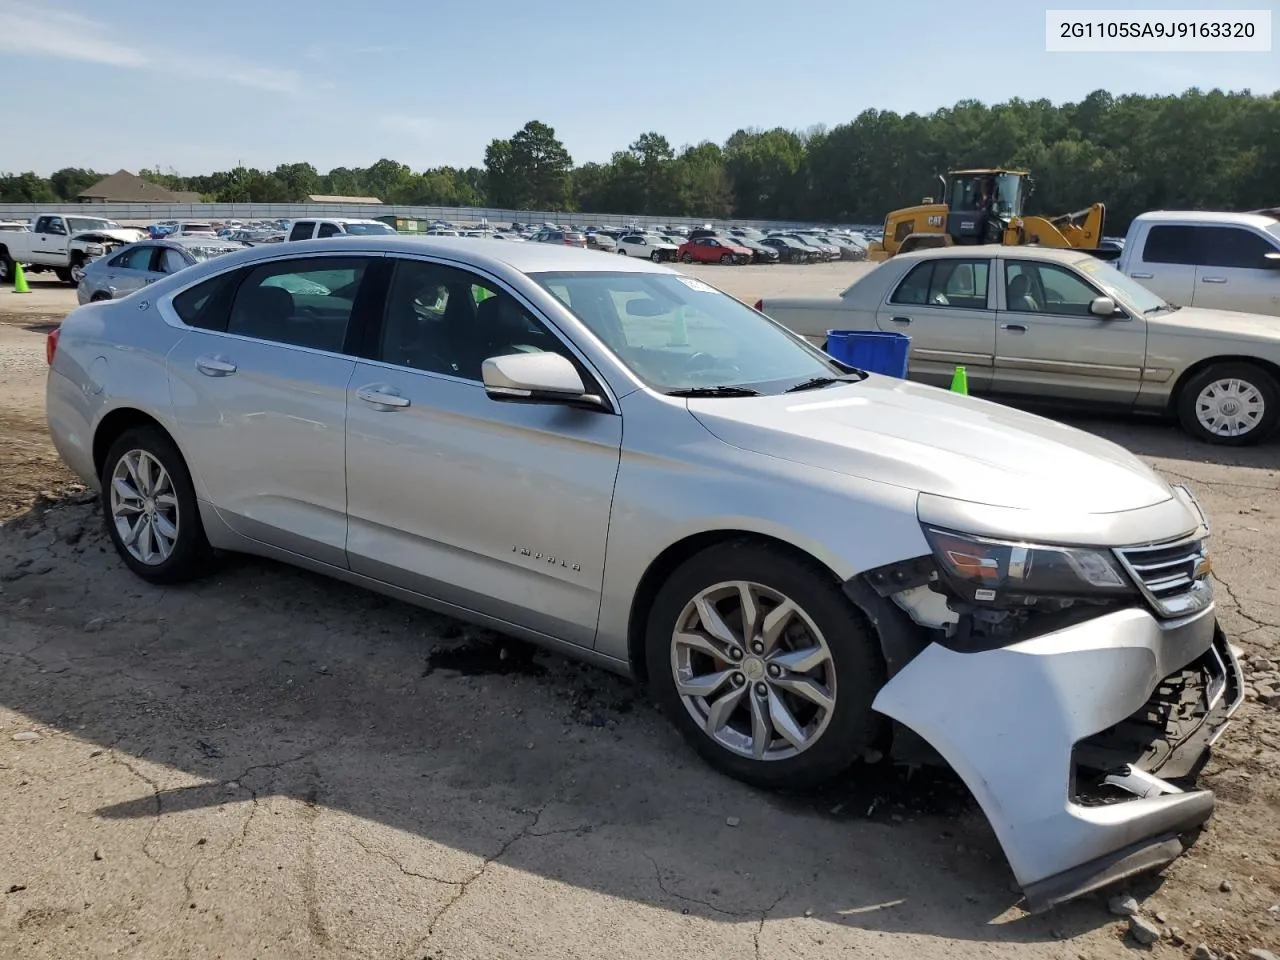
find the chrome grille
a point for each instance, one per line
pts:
(1173, 576)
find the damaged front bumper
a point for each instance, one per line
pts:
(1070, 741)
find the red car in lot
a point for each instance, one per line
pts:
(713, 250)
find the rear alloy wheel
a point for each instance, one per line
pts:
(1233, 404)
(150, 507)
(764, 665)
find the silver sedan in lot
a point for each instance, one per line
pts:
(1036, 324)
(602, 455)
(140, 264)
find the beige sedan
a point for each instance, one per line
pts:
(1061, 326)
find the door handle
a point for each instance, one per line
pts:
(381, 396)
(1213, 279)
(902, 320)
(1013, 327)
(1142, 276)
(215, 367)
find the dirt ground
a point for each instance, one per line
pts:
(269, 764)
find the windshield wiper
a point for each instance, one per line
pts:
(720, 391)
(816, 382)
(1164, 306)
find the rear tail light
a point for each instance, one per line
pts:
(51, 345)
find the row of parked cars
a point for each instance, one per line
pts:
(728, 246)
(810, 565)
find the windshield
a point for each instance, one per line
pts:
(1002, 191)
(1121, 288)
(369, 229)
(677, 333)
(91, 223)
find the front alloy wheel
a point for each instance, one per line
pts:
(753, 670)
(764, 665)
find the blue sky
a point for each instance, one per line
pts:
(194, 85)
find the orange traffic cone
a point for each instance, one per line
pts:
(960, 381)
(19, 280)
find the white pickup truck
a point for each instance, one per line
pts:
(1223, 261)
(63, 244)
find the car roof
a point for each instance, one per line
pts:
(1021, 252)
(481, 252)
(1207, 216)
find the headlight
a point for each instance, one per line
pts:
(94, 249)
(986, 570)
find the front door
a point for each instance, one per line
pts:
(1166, 264)
(259, 391)
(944, 305)
(491, 506)
(50, 246)
(1049, 345)
(1233, 272)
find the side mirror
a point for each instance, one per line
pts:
(1271, 260)
(1104, 307)
(536, 378)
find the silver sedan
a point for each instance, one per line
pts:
(140, 264)
(618, 461)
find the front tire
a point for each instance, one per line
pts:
(656, 256)
(687, 258)
(784, 702)
(1230, 404)
(6, 268)
(150, 507)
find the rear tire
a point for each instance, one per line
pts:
(1229, 404)
(149, 504)
(844, 666)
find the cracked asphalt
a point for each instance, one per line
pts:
(269, 764)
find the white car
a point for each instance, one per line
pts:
(191, 229)
(648, 246)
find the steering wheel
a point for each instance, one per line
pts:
(702, 362)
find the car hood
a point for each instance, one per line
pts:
(937, 442)
(1227, 323)
(123, 235)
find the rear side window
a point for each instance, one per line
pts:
(1170, 244)
(198, 306)
(328, 230)
(1233, 247)
(302, 230)
(304, 303)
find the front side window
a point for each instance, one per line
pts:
(1047, 288)
(301, 230)
(305, 303)
(1233, 247)
(440, 319)
(678, 333)
(171, 261)
(134, 258)
(1170, 243)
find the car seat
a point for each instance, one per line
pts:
(1019, 294)
(264, 312)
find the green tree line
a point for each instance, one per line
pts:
(1215, 150)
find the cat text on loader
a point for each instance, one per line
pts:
(985, 206)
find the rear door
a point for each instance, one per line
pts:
(947, 308)
(1233, 272)
(1049, 344)
(1166, 262)
(259, 391)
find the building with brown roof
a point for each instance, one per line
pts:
(124, 187)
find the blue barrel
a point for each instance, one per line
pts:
(873, 350)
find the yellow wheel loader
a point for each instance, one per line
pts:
(985, 206)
